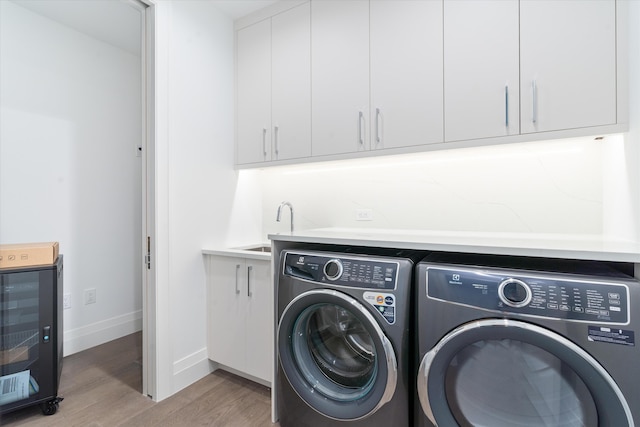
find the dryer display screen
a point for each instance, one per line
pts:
(547, 296)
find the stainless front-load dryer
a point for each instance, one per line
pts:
(504, 341)
(343, 338)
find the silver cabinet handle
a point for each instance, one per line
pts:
(506, 106)
(534, 90)
(237, 271)
(275, 139)
(249, 269)
(378, 130)
(264, 142)
(360, 123)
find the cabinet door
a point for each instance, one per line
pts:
(339, 76)
(260, 320)
(568, 64)
(291, 83)
(481, 69)
(406, 73)
(227, 295)
(253, 122)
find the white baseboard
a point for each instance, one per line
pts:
(190, 369)
(241, 374)
(76, 340)
(196, 366)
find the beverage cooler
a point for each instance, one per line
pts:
(31, 337)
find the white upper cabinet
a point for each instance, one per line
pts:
(253, 71)
(274, 88)
(291, 83)
(481, 69)
(406, 73)
(340, 76)
(568, 64)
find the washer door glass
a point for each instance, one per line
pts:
(505, 383)
(335, 355)
(332, 349)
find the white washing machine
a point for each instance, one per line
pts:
(343, 338)
(504, 342)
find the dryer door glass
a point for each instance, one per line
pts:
(504, 383)
(503, 372)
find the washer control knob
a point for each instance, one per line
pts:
(514, 293)
(333, 269)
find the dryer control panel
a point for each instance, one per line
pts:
(355, 272)
(560, 296)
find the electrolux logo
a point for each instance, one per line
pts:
(300, 260)
(456, 279)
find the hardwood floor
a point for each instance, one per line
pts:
(101, 387)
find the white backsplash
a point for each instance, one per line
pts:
(538, 187)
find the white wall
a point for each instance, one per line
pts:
(69, 123)
(201, 202)
(622, 161)
(542, 187)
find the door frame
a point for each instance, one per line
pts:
(147, 10)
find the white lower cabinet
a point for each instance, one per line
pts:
(240, 315)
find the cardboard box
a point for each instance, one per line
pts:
(28, 254)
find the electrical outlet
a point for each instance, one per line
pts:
(66, 301)
(364, 215)
(89, 296)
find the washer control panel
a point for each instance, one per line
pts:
(358, 272)
(559, 296)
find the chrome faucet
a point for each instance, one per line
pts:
(279, 214)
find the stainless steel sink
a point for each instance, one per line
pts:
(261, 248)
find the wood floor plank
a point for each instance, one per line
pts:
(102, 388)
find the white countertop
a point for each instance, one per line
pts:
(594, 248)
(240, 252)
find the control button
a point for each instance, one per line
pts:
(614, 302)
(564, 307)
(552, 306)
(578, 309)
(514, 293)
(333, 269)
(614, 295)
(592, 311)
